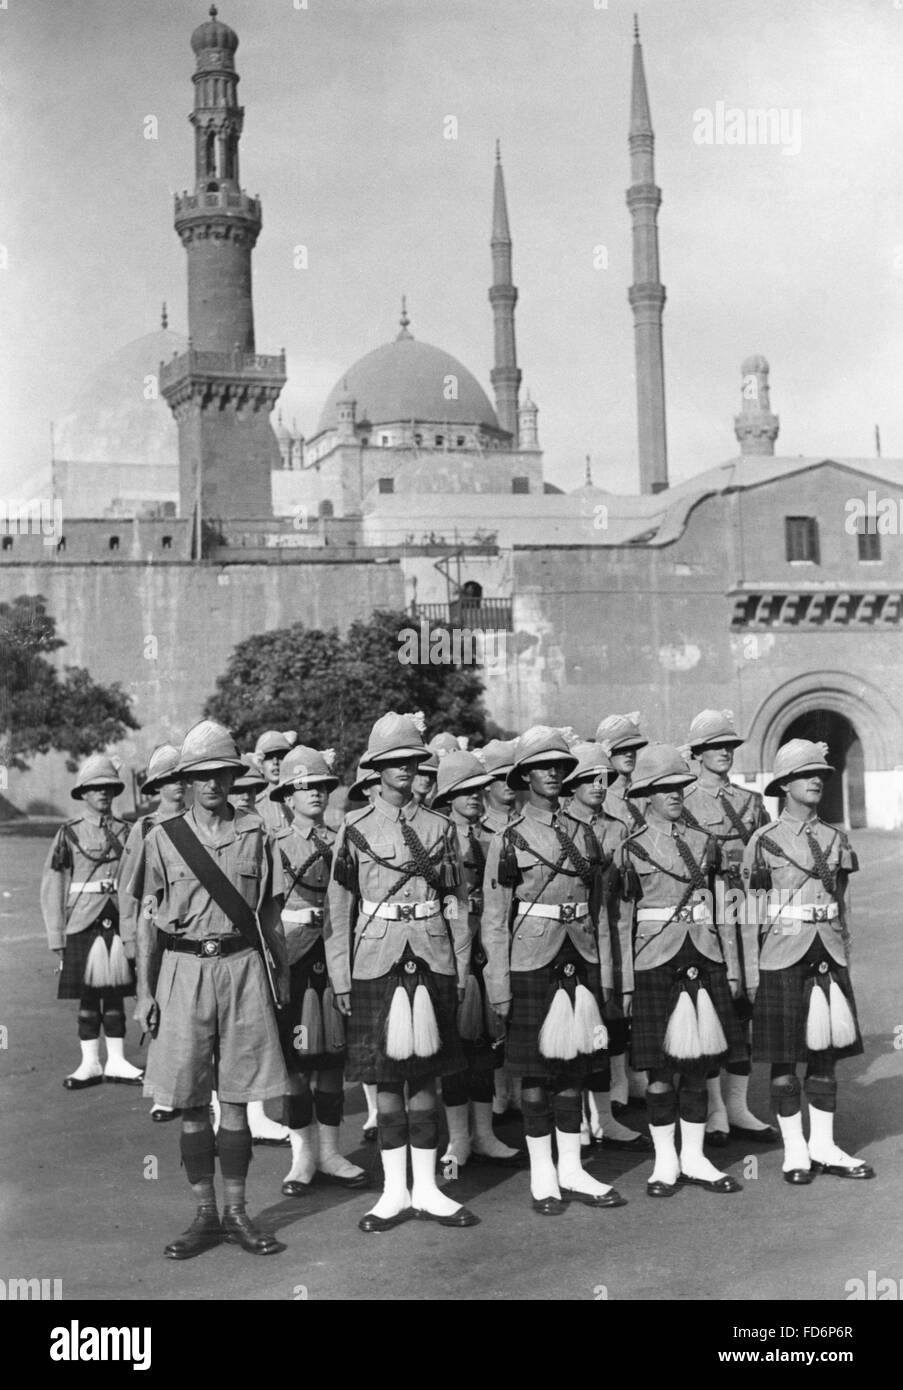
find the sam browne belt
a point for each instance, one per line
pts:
(558, 912)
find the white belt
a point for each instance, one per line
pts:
(808, 912)
(559, 912)
(94, 885)
(693, 912)
(303, 915)
(400, 912)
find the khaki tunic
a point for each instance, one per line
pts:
(67, 911)
(296, 843)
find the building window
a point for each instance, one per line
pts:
(520, 484)
(460, 441)
(440, 440)
(383, 439)
(326, 508)
(867, 539)
(114, 542)
(386, 485)
(801, 536)
(7, 542)
(365, 441)
(166, 542)
(418, 439)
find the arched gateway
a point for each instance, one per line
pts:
(863, 729)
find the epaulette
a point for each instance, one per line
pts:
(280, 832)
(756, 836)
(358, 814)
(249, 820)
(515, 820)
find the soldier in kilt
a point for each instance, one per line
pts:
(585, 787)
(500, 805)
(269, 750)
(81, 917)
(398, 956)
(165, 781)
(804, 1011)
(459, 792)
(360, 793)
(620, 737)
(541, 893)
(729, 814)
(311, 1029)
(685, 974)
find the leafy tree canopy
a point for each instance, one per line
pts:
(332, 689)
(42, 708)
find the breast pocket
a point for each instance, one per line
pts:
(248, 873)
(182, 883)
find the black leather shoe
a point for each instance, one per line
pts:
(161, 1117)
(239, 1229)
(640, 1143)
(124, 1080)
(204, 1232)
(461, 1217)
(799, 1177)
(838, 1170)
(768, 1135)
(716, 1139)
(359, 1180)
(591, 1199)
(723, 1184)
(370, 1222)
(370, 1133)
(295, 1189)
(549, 1206)
(72, 1083)
(661, 1189)
(271, 1143)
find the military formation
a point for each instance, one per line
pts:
(545, 924)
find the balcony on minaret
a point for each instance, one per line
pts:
(219, 199)
(218, 370)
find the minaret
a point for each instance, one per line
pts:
(221, 391)
(647, 293)
(505, 376)
(528, 431)
(755, 427)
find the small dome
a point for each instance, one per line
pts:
(410, 380)
(116, 417)
(752, 365)
(283, 435)
(214, 34)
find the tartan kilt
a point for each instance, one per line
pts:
(655, 995)
(531, 994)
(309, 970)
(483, 1054)
(71, 983)
(780, 1011)
(366, 1055)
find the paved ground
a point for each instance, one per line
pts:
(76, 1204)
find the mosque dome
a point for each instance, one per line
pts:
(214, 34)
(118, 414)
(409, 380)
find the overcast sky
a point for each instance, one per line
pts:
(795, 255)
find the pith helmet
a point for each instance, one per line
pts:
(795, 758)
(659, 765)
(208, 747)
(302, 768)
(620, 732)
(273, 742)
(498, 757)
(539, 745)
(459, 772)
(365, 778)
(395, 736)
(592, 761)
(429, 767)
(713, 726)
(252, 779)
(445, 742)
(161, 768)
(99, 770)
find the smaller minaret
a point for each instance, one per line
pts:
(345, 407)
(755, 427)
(647, 293)
(505, 375)
(528, 432)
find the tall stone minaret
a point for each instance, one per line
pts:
(505, 375)
(647, 293)
(755, 427)
(221, 391)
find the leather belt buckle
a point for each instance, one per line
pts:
(210, 947)
(316, 917)
(685, 915)
(819, 914)
(404, 912)
(568, 912)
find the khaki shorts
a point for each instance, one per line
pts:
(217, 1032)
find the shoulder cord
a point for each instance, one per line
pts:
(520, 843)
(409, 870)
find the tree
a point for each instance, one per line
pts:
(332, 689)
(42, 709)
